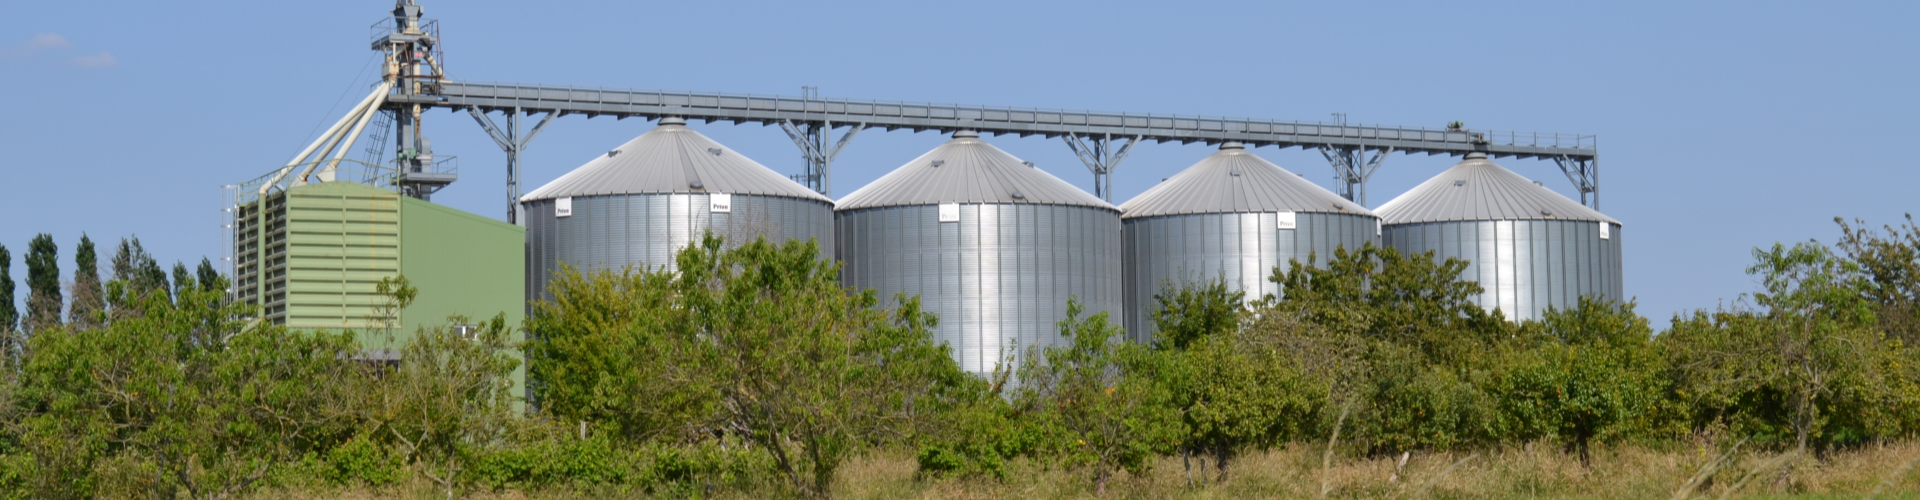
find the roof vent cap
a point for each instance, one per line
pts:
(1027, 163)
(1546, 212)
(1019, 195)
(672, 120)
(610, 154)
(1235, 173)
(965, 134)
(715, 151)
(1232, 145)
(696, 185)
(938, 163)
(1476, 155)
(1459, 183)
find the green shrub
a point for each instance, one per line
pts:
(365, 461)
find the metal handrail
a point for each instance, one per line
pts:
(1511, 138)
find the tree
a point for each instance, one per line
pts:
(9, 316)
(1235, 388)
(1242, 389)
(44, 300)
(139, 276)
(1585, 374)
(89, 299)
(182, 279)
(1398, 340)
(1807, 362)
(592, 351)
(211, 403)
(208, 277)
(799, 366)
(1098, 400)
(1192, 311)
(758, 342)
(1890, 264)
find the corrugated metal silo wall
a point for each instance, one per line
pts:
(612, 232)
(1000, 275)
(1244, 248)
(1525, 266)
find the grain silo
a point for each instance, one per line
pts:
(639, 204)
(991, 244)
(1232, 216)
(1529, 247)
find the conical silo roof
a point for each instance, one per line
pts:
(1234, 180)
(1478, 189)
(968, 170)
(672, 158)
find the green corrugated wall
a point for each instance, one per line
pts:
(340, 238)
(463, 264)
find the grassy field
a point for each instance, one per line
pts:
(1295, 472)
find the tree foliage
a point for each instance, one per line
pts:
(1586, 374)
(1805, 363)
(89, 298)
(9, 316)
(751, 365)
(44, 302)
(758, 342)
(1097, 399)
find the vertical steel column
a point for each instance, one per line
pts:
(1101, 158)
(1352, 168)
(812, 138)
(1585, 174)
(511, 142)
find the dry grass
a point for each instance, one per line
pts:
(1528, 472)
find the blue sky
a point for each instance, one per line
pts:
(1723, 126)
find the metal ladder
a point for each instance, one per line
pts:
(377, 136)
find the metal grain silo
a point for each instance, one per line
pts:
(1236, 216)
(641, 203)
(1528, 246)
(991, 244)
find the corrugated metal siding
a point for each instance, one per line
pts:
(646, 230)
(998, 277)
(341, 239)
(1244, 248)
(1526, 266)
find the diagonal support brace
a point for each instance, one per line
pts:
(512, 143)
(1352, 168)
(812, 139)
(1101, 158)
(1585, 174)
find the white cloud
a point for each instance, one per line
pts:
(102, 60)
(48, 41)
(40, 42)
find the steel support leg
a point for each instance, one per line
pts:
(1352, 168)
(813, 139)
(511, 142)
(1585, 174)
(1101, 158)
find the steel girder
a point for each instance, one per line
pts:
(511, 142)
(1352, 169)
(1101, 158)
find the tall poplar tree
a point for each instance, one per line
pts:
(89, 299)
(9, 317)
(43, 283)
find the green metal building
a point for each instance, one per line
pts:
(311, 255)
